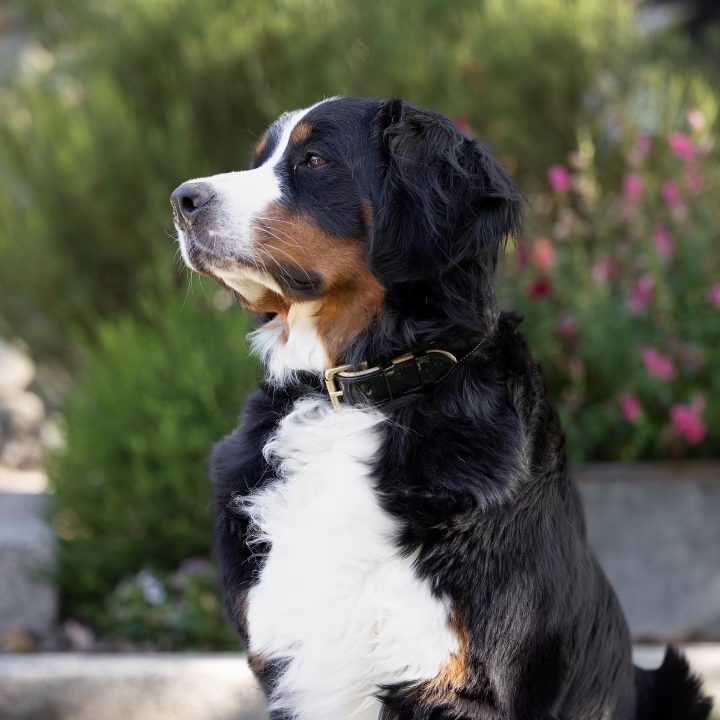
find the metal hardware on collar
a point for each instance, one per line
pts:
(429, 373)
(331, 385)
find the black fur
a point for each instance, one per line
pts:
(475, 472)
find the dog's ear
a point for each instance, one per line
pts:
(445, 200)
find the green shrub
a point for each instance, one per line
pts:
(170, 611)
(143, 94)
(131, 488)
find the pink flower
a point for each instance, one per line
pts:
(630, 407)
(633, 187)
(658, 365)
(643, 144)
(566, 326)
(714, 295)
(641, 294)
(463, 126)
(559, 178)
(694, 181)
(602, 270)
(681, 146)
(543, 254)
(695, 119)
(540, 289)
(663, 243)
(687, 421)
(671, 192)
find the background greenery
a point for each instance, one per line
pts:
(121, 101)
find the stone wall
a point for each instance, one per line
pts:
(656, 530)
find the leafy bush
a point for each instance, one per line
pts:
(170, 611)
(131, 488)
(620, 288)
(132, 97)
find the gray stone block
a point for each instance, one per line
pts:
(656, 530)
(28, 600)
(128, 687)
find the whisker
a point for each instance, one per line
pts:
(187, 292)
(279, 239)
(296, 262)
(280, 268)
(202, 287)
(287, 235)
(275, 219)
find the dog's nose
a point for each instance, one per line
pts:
(190, 198)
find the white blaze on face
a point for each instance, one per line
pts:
(241, 200)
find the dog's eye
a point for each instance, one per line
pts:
(315, 161)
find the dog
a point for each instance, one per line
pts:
(397, 530)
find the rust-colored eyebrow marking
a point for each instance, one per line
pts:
(301, 132)
(261, 145)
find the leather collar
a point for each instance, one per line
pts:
(409, 373)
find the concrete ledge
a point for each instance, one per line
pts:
(180, 687)
(656, 532)
(128, 687)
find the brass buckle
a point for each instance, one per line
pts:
(331, 385)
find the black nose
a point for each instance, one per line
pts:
(189, 199)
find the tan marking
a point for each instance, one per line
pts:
(352, 295)
(240, 611)
(267, 302)
(257, 663)
(454, 674)
(368, 215)
(261, 145)
(347, 311)
(301, 132)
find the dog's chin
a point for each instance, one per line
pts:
(255, 288)
(202, 254)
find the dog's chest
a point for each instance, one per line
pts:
(334, 598)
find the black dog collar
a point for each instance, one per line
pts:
(406, 374)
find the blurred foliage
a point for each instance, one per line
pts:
(620, 287)
(131, 488)
(170, 611)
(122, 100)
(129, 98)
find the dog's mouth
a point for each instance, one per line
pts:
(207, 250)
(260, 282)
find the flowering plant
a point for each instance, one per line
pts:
(168, 611)
(619, 283)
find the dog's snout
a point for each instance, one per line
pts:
(190, 199)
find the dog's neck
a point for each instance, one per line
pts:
(361, 321)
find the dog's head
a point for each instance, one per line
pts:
(356, 215)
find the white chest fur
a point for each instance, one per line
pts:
(300, 350)
(334, 598)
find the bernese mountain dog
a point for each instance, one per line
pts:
(397, 529)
